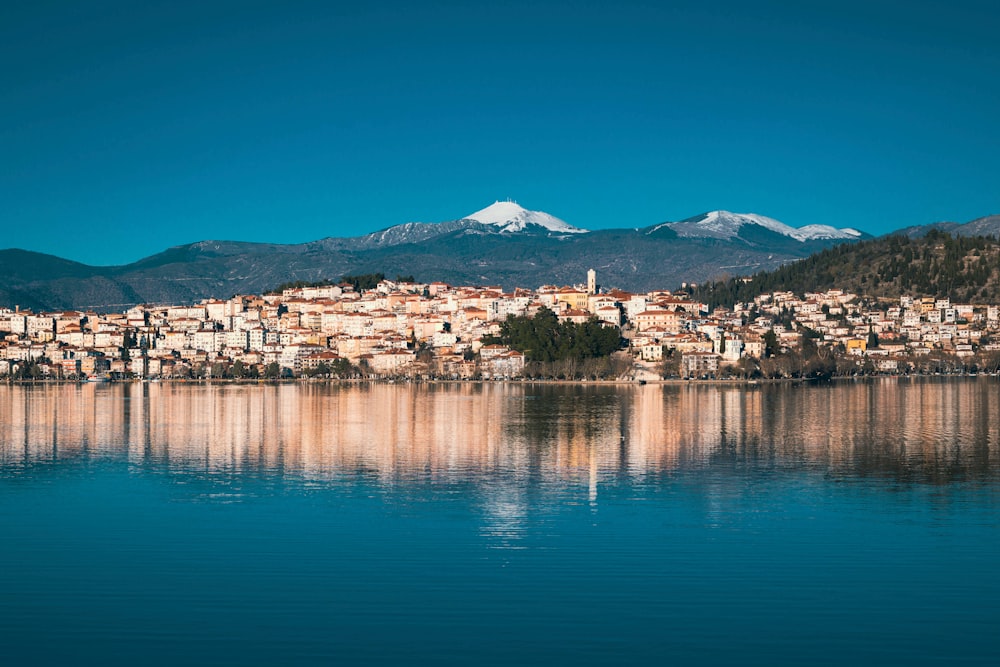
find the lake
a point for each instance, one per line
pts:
(501, 524)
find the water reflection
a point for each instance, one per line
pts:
(907, 431)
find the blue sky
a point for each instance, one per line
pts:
(129, 127)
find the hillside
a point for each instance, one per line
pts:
(985, 226)
(963, 268)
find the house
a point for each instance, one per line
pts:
(391, 361)
(508, 364)
(699, 364)
(856, 346)
(651, 351)
(669, 320)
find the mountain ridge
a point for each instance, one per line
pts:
(725, 224)
(464, 251)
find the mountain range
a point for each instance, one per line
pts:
(503, 244)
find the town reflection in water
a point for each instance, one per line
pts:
(920, 431)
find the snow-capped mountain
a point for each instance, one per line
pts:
(502, 217)
(511, 217)
(727, 225)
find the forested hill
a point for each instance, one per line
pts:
(965, 269)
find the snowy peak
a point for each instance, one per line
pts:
(810, 232)
(500, 217)
(511, 217)
(727, 225)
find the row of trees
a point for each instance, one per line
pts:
(338, 368)
(361, 281)
(299, 284)
(611, 367)
(29, 370)
(824, 363)
(367, 281)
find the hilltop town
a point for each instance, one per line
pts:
(403, 329)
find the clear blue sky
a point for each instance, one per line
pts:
(128, 127)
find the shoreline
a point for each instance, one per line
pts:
(410, 381)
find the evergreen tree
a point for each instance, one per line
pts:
(872, 338)
(544, 338)
(771, 346)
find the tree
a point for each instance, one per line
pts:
(809, 347)
(364, 281)
(128, 342)
(28, 370)
(670, 367)
(872, 338)
(272, 371)
(342, 368)
(747, 368)
(771, 347)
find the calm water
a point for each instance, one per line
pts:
(482, 524)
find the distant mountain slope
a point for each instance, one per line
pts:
(410, 232)
(985, 226)
(24, 265)
(502, 244)
(963, 268)
(726, 225)
(30, 279)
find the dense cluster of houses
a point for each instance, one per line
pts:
(439, 330)
(886, 335)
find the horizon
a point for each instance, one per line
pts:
(132, 129)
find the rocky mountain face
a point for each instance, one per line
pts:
(502, 244)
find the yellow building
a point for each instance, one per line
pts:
(856, 346)
(574, 299)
